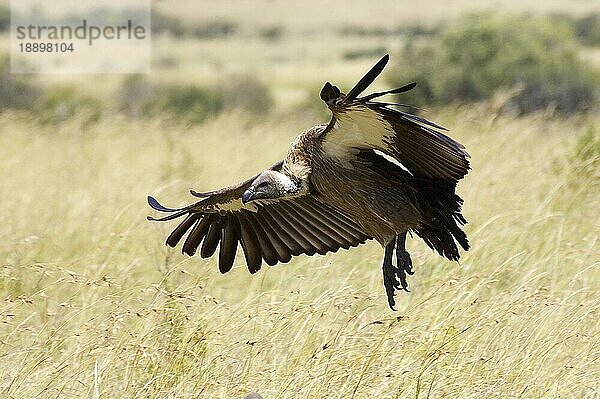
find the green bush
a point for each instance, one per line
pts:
(213, 29)
(272, 33)
(164, 23)
(49, 105)
(135, 91)
(247, 93)
(62, 103)
(4, 18)
(372, 52)
(16, 91)
(183, 102)
(141, 98)
(361, 30)
(587, 29)
(480, 54)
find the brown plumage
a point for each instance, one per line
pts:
(372, 172)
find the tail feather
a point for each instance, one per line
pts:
(441, 228)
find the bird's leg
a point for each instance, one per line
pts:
(389, 274)
(403, 261)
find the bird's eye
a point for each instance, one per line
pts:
(263, 184)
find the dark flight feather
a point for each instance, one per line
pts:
(366, 80)
(211, 241)
(229, 242)
(249, 244)
(193, 239)
(398, 90)
(180, 230)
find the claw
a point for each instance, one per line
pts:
(404, 267)
(389, 275)
(394, 277)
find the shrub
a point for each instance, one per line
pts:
(49, 104)
(361, 30)
(183, 102)
(247, 93)
(213, 29)
(16, 91)
(141, 98)
(134, 93)
(272, 33)
(4, 18)
(162, 23)
(62, 103)
(480, 54)
(372, 52)
(587, 29)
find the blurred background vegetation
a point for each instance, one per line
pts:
(214, 60)
(92, 304)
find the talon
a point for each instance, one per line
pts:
(404, 261)
(391, 302)
(389, 275)
(394, 277)
(402, 276)
(404, 267)
(390, 283)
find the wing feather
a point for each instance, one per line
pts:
(359, 123)
(333, 224)
(178, 233)
(321, 224)
(282, 251)
(249, 244)
(344, 223)
(267, 251)
(293, 246)
(229, 243)
(305, 230)
(296, 233)
(312, 226)
(211, 241)
(273, 232)
(195, 237)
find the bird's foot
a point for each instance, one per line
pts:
(404, 267)
(390, 282)
(394, 277)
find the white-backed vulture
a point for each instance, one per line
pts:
(372, 172)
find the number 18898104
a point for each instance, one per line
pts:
(46, 47)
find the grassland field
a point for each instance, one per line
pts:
(93, 305)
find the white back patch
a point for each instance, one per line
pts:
(358, 127)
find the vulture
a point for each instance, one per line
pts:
(372, 172)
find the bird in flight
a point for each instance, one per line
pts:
(372, 172)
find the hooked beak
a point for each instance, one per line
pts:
(248, 195)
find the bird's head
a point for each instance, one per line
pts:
(270, 185)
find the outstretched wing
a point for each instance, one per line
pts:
(273, 231)
(360, 123)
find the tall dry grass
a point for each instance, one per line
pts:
(93, 304)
